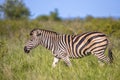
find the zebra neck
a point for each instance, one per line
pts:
(49, 42)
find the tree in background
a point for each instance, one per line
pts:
(54, 16)
(14, 9)
(43, 18)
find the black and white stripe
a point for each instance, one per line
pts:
(70, 46)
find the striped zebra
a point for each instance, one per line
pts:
(70, 46)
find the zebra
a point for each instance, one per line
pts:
(65, 46)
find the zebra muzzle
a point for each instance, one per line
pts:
(26, 50)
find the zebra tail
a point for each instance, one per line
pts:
(110, 55)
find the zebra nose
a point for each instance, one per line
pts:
(26, 50)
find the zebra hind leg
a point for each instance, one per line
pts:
(102, 58)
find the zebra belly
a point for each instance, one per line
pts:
(79, 55)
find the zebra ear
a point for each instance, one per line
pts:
(38, 34)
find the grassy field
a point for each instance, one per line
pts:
(16, 65)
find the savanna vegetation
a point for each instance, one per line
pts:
(16, 65)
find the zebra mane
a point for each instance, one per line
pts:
(48, 31)
(43, 30)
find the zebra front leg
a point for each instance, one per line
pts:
(55, 62)
(67, 61)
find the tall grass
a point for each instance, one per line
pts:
(16, 65)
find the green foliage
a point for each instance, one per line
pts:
(16, 65)
(89, 17)
(109, 26)
(14, 9)
(52, 17)
(3, 49)
(43, 18)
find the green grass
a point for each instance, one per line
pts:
(37, 65)
(16, 65)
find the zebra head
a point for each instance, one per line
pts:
(34, 40)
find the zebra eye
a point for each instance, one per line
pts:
(31, 33)
(31, 40)
(39, 34)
